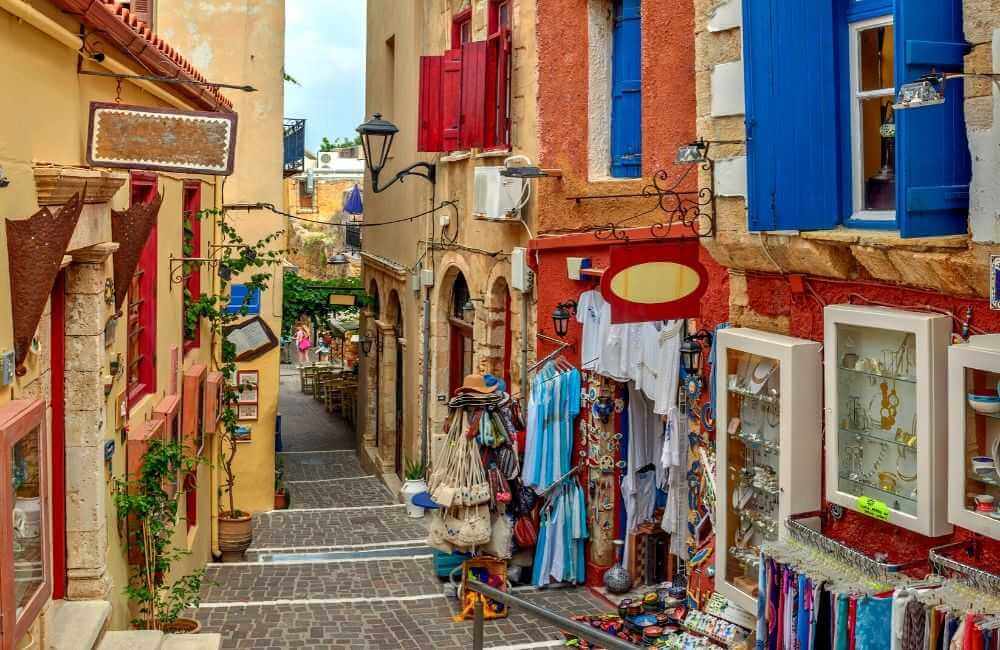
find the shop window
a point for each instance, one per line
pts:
(626, 90)
(192, 248)
(25, 569)
(142, 304)
(854, 160)
(465, 94)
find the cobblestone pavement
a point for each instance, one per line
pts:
(322, 530)
(346, 568)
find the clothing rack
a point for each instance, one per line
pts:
(975, 577)
(562, 479)
(870, 566)
(563, 345)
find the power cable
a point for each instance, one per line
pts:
(270, 206)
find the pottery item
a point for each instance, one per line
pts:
(617, 578)
(409, 489)
(984, 404)
(235, 536)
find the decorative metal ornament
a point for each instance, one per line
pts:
(131, 228)
(35, 248)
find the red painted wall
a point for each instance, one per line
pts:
(773, 295)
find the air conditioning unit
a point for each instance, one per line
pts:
(495, 196)
(324, 159)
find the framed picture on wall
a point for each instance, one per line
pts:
(246, 384)
(246, 412)
(241, 434)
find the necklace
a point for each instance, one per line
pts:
(868, 476)
(899, 472)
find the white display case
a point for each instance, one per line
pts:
(974, 430)
(769, 446)
(886, 415)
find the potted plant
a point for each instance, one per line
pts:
(414, 484)
(152, 514)
(249, 262)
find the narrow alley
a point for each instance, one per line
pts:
(345, 567)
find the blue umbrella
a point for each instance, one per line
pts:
(353, 203)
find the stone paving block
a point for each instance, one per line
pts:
(361, 491)
(318, 466)
(288, 528)
(305, 421)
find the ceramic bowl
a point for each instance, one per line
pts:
(985, 404)
(982, 464)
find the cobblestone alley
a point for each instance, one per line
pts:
(345, 567)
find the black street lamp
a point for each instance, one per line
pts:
(366, 345)
(376, 139)
(561, 315)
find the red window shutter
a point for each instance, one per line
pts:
(497, 124)
(143, 10)
(473, 95)
(451, 99)
(430, 134)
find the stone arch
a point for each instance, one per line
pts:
(392, 402)
(443, 329)
(369, 328)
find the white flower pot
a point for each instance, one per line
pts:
(409, 489)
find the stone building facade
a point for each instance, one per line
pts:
(432, 262)
(781, 281)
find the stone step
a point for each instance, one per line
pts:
(132, 640)
(376, 577)
(339, 493)
(210, 641)
(75, 625)
(311, 466)
(327, 530)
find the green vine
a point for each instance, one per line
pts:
(151, 512)
(248, 262)
(311, 298)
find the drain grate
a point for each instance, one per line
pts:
(325, 556)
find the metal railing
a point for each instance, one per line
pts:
(295, 146)
(575, 628)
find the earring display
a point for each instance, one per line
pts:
(884, 388)
(772, 443)
(974, 427)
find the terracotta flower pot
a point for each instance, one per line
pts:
(235, 535)
(281, 500)
(182, 626)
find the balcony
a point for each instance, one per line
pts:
(295, 147)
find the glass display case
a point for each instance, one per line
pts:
(974, 430)
(25, 570)
(769, 444)
(885, 389)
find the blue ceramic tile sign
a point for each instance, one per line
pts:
(995, 282)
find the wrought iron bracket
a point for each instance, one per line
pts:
(428, 173)
(177, 275)
(692, 211)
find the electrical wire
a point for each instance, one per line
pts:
(270, 207)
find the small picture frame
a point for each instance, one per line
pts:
(241, 434)
(246, 384)
(246, 411)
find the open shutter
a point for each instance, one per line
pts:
(626, 91)
(932, 150)
(451, 99)
(497, 90)
(791, 115)
(473, 118)
(430, 133)
(237, 296)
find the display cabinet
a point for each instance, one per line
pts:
(769, 446)
(886, 416)
(974, 431)
(25, 569)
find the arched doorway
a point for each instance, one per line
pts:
(396, 316)
(460, 319)
(374, 376)
(500, 331)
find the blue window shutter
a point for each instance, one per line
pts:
(237, 296)
(932, 150)
(626, 91)
(793, 137)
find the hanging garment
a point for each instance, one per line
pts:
(674, 461)
(914, 626)
(900, 598)
(645, 446)
(873, 629)
(552, 411)
(668, 364)
(559, 554)
(588, 314)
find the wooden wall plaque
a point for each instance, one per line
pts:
(161, 139)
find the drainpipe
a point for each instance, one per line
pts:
(525, 299)
(425, 393)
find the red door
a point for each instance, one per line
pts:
(460, 361)
(57, 376)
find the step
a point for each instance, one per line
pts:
(132, 640)
(210, 641)
(335, 529)
(76, 625)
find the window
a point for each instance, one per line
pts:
(307, 188)
(824, 146)
(465, 92)
(192, 248)
(461, 329)
(626, 90)
(142, 304)
(238, 300)
(461, 29)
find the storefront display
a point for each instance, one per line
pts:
(25, 572)
(769, 445)
(974, 428)
(885, 398)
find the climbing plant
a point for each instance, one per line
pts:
(311, 298)
(250, 261)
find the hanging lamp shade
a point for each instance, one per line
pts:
(353, 204)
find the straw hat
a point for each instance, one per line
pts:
(476, 384)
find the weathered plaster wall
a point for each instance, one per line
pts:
(244, 43)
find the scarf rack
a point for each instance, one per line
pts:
(975, 577)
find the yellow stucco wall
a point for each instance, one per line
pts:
(243, 43)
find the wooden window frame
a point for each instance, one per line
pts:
(493, 17)
(192, 283)
(143, 190)
(458, 21)
(19, 419)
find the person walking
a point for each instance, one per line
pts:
(302, 343)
